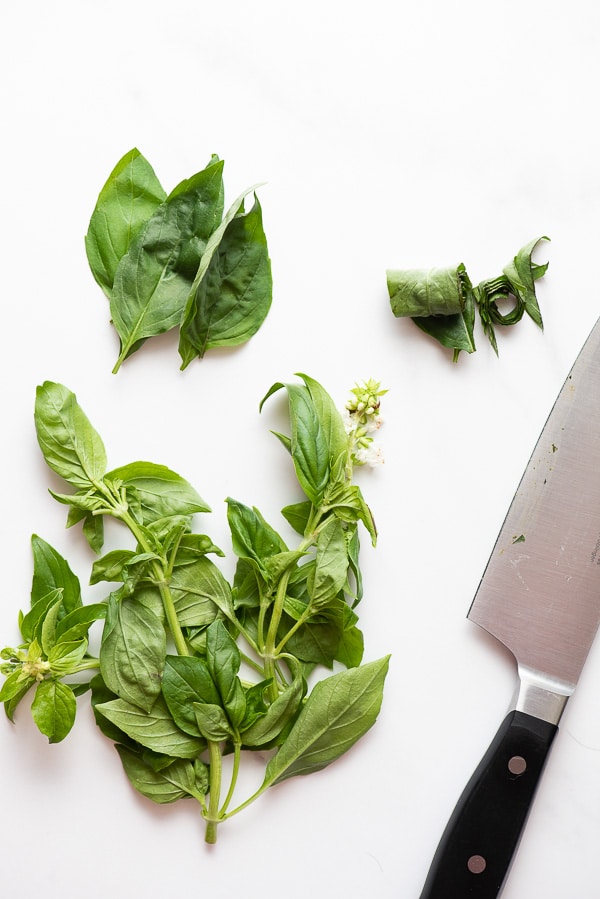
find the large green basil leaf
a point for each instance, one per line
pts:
(337, 713)
(130, 196)
(153, 280)
(70, 445)
(231, 294)
(132, 654)
(53, 709)
(167, 784)
(186, 679)
(154, 729)
(161, 492)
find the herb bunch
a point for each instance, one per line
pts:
(443, 303)
(176, 261)
(191, 668)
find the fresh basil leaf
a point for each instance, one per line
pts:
(71, 446)
(223, 660)
(186, 679)
(298, 515)
(318, 640)
(318, 442)
(231, 294)
(521, 273)
(174, 781)
(162, 493)
(191, 546)
(337, 713)
(350, 649)
(348, 504)
(50, 572)
(130, 196)
(100, 694)
(110, 567)
(213, 723)
(309, 444)
(48, 628)
(331, 423)
(53, 709)
(132, 654)
(154, 729)
(153, 280)
(200, 593)
(32, 623)
(267, 728)
(64, 657)
(77, 623)
(330, 571)
(253, 539)
(14, 689)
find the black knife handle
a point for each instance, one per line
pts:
(480, 839)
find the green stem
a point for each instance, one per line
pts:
(161, 580)
(297, 625)
(237, 747)
(216, 772)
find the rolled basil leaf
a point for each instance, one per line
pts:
(442, 301)
(439, 301)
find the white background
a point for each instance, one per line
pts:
(389, 134)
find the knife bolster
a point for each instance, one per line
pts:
(535, 698)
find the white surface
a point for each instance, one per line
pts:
(389, 135)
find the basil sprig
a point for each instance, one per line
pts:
(168, 261)
(191, 667)
(442, 302)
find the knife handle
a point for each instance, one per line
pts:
(480, 839)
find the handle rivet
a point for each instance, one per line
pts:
(517, 765)
(476, 864)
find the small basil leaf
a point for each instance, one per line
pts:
(212, 722)
(71, 446)
(53, 709)
(162, 493)
(51, 571)
(330, 571)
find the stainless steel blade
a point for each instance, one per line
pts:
(540, 592)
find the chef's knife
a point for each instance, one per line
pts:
(540, 596)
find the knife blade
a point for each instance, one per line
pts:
(540, 596)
